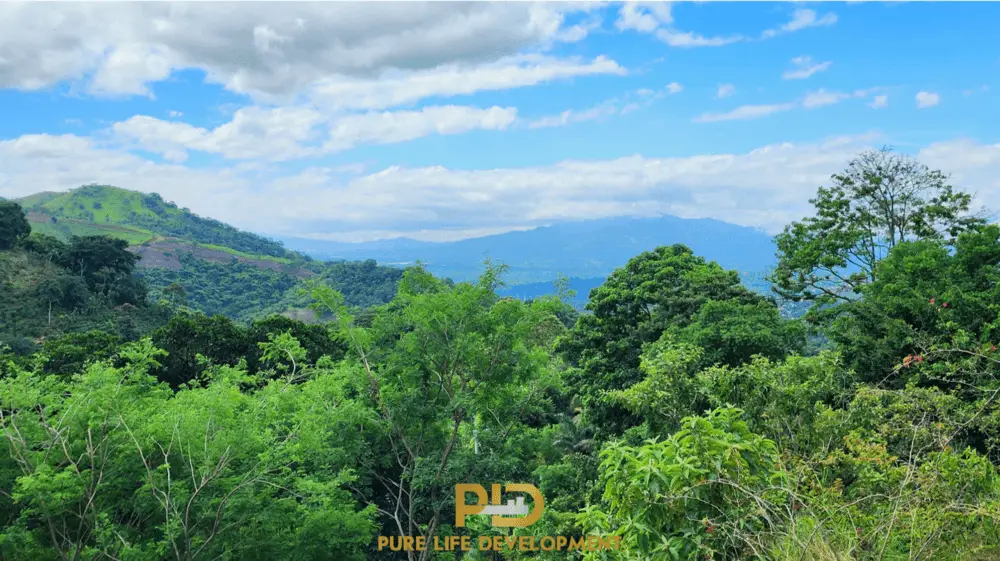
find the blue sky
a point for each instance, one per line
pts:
(440, 121)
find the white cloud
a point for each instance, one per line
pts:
(879, 102)
(972, 167)
(400, 88)
(767, 187)
(984, 88)
(804, 67)
(802, 18)
(399, 126)
(821, 97)
(725, 90)
(745, 112)
(927, 99)
(129, 68)
(644, 17)
(690, 39)
(811, 100)
(253, 132)
(269, 50)
(656, 18)
(570, 116)
(295, 132)
(621, 105)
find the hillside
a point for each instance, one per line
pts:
(42, 297)
(136, 217)
(221, 269)
(588, 249)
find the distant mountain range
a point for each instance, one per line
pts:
(583, 250)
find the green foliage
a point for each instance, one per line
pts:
(106, 266)
(880, 200)
(654, 292)
(453, 375)
(188, 338)
(924, 293)
(196, 341)
(697, 494)
(732, 332)
(137, 471)
(244, 291)
(70, 354)
(13, 224)
(236, 289)
(40, 298)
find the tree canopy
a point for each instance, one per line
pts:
(880, 200)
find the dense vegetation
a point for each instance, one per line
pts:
(244, 291)
(48, 288)
(682, 412)
(235, 289)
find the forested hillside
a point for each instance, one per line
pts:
(683, 412)
(137, 216)
(218, 269)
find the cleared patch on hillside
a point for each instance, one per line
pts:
(165, 254)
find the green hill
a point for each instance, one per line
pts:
(136, 217)
(222, 269)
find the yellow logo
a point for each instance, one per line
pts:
(504, 515)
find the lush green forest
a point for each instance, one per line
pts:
(682, 411)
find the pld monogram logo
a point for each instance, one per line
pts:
(511, 515)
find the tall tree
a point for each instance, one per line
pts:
(453, 377)
(97, 257)
(655, 291)
(924, 291)
(881, 199)
(13, 224)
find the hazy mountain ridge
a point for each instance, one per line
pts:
(581, 250)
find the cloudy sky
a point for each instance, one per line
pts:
(357, 121)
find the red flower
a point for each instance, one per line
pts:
(932, 300)
(920, 358)
(993, 348)
(709, 529)
(945, 304)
